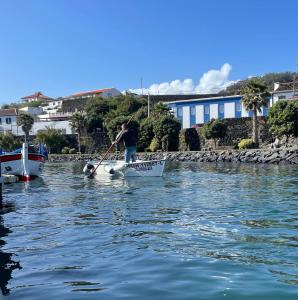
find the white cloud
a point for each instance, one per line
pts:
(212, 81)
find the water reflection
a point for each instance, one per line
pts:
(7, 265)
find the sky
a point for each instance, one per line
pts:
(61, 47)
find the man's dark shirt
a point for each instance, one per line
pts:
(129, 138)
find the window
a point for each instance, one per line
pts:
(238, 106)
(0, 120)
(206, 110)
(281, 97)
(193, 110)
(8, 120)
(180, 112)
(221, 108)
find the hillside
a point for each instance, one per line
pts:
(268, 79)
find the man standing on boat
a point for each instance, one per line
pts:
(129, 139)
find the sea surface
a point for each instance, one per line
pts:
(203, 231)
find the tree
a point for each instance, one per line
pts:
(9, 141)
(166, 130)
(52, 137)
(255, 96)
(26, 122)
(215, 130)
(146, 134)
(283, 119)
(78, 122)
(160, 109)
(114, 126)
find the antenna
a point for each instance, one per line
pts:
(294, 78)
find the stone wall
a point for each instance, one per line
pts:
(256, 156)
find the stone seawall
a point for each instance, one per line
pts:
(256, 156)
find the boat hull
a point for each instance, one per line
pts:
(12, 164)
(150, 168)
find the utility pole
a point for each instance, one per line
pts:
(148, 104)
(142, 86)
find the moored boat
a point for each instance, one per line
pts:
(23, 163)
(140, 168)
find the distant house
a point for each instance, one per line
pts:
(8, 120)
(77, 102)
(284, 91)
(104, 93)
(53, 106)
(38, 96)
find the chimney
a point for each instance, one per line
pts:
(276, 86)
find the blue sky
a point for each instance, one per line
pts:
(61, 47)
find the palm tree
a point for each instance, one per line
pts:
(78, 122)
(26, 122)
(255, 96)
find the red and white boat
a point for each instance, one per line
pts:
(24, 164)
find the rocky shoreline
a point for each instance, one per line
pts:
(255, 156)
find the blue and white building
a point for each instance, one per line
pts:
(199, 111)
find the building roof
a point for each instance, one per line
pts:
(287, 86)
(8, 112)
(36, 95)
(89, 93)
(174, 98)
(205, 98)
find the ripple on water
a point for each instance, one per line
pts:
(204, 231)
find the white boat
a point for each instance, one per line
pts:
(22, 164)
(140, 168)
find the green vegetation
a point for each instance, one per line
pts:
(215, 130)
(65, 150)
(9, 141)
(107, 116)
(166, 130)
(255, 96)
(246, 144)
(53, 138)
(189, 140)
(26, 122)
(78, 122)
(283, 119)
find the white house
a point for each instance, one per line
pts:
(52, 106)
(38, 96)
(284, 91)
(8, 120)
(104, 93)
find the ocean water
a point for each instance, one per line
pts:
(203, 231)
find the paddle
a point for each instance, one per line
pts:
(108, 151)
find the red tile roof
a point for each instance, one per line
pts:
(90, 92)
(8, 112)
(36, 95)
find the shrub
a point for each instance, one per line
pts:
(155, 145)
(166, 130)
(246, 144)
(189, 140)
(9, 141)
(52, 137)
(283, 118)
(72, 151)
(145, 134)
(65, 150)
(214, 129)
